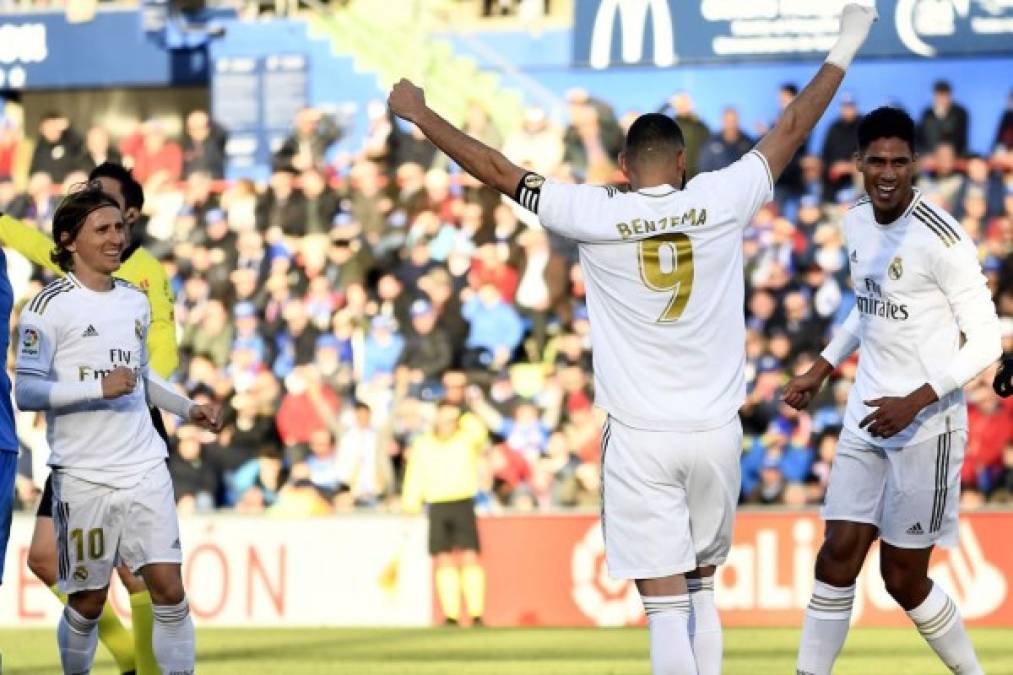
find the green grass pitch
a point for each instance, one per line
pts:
(509, 652)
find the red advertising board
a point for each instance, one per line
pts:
(550, 571)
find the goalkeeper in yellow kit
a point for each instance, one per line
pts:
(143, 270)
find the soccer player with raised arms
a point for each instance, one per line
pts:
(82, 357)
(663, 268)
(926, 326)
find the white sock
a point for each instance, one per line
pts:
(939, 622)
(705, 626)
(172, 638)
(825, 628)
(668, 620)
(77, 638)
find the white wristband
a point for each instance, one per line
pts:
(843, 52)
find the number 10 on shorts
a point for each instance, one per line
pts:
(96, 543)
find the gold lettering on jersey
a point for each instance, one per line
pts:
(679, 279)
(643, 226)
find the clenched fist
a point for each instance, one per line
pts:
(406, 100)
(120, 382)
(207, 416)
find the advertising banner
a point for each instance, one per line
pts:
(542, 570)
(354, 571)
(609, 33)
(551, 571)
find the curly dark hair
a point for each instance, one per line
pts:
(886, 122)
(70, 217)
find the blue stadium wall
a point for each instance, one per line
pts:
(981, 84)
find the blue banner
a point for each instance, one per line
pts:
(609, 33)
(256, 98)
(46, 51)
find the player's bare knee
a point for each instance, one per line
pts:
(906, 583)
(167, 592)
(88, 604)
(837, 565)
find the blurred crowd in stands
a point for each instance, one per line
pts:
(332, 307)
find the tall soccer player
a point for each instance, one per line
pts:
(82, 357)
(926, 325)
(131, 652)
(663, 268)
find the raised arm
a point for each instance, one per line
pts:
(484, 163)
(799, 118)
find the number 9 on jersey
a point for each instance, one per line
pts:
(675, 276)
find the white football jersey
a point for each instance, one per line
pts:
(918, 285)
(664, 276)
(69, 332)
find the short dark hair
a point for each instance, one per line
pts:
(651, 135)
(942, 87)
(133, 193)
(69, 218)
(790, 87)
(886, 122)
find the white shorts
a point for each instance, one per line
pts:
(911, 494)
(668, 498)
(98, 526)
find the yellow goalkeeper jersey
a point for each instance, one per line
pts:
(140, 268)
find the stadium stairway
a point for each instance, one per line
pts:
(394, 39)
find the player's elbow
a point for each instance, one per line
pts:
(986, 343)
(26, 397)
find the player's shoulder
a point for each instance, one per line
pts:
(132, 297)
(53, 293)
(127, 286)
(751, 168)
(935, 223)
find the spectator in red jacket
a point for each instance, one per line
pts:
(308, 407)
(153, 155)
(990, 429)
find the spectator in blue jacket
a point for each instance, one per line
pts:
(495, 329)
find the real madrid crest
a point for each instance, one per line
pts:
(896, 269)
(533, 181)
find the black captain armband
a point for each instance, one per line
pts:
(1003, 383)
(529, 191)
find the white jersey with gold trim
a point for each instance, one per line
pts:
(70, 333)
(918, 286)
(664, 276)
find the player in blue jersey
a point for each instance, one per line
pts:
(8, 440)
